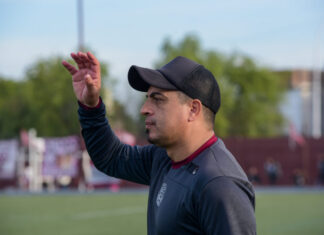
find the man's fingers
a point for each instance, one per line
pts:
(78, 60)
(85, 60)
(69, 67)
(92, 59)
(89, 82)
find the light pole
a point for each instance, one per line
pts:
(80, 25)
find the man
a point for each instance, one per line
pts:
(196, 185)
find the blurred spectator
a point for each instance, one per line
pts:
(86, 171)
(49, 183)
(63, 182)
(272, 169)
(299, 177)
(27, 175)
(253, 175)
(321, 170)
(84, 166)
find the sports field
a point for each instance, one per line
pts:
(277, 213)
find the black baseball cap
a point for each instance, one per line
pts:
(181, 74)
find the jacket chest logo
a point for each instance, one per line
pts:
(161, 193)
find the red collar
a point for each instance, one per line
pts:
(176, 165)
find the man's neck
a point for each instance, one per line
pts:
(187, 146)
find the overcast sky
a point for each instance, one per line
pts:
(278, 34)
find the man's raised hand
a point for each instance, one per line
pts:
(86, 79)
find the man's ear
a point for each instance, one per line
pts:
(195, 110)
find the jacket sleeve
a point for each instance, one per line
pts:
(224, 208)
(108, 154)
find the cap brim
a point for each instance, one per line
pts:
(142, 78)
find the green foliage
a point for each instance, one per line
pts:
(285, 76)
(250, 94)
(52, 103)
(13, 106)
(120, 119)
(257, 94)
(44, 100)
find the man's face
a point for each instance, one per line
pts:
(166, 117)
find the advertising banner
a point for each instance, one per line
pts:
(95, 176)
(61, 156)
(8, 156)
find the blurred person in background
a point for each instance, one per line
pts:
(272, 169)
(253, 175)
(320, 167)
(196, 185)
(299, 177)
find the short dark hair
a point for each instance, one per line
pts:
(209, 115)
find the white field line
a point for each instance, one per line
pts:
(107, 213)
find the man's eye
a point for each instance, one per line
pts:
(157, 99)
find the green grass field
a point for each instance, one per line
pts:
(276, 213)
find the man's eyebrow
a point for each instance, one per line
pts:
(154, 94)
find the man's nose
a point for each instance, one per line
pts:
(145, 110)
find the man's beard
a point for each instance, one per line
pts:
(150, 140)
(160, 141)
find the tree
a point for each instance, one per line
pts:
(44, 100)
(13, 106)
(257, 95)
(51, 99)
(250, 95)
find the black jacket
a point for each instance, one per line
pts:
(208, 195)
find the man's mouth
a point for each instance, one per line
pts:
(149, 124)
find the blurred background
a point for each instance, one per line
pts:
(268, 57)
